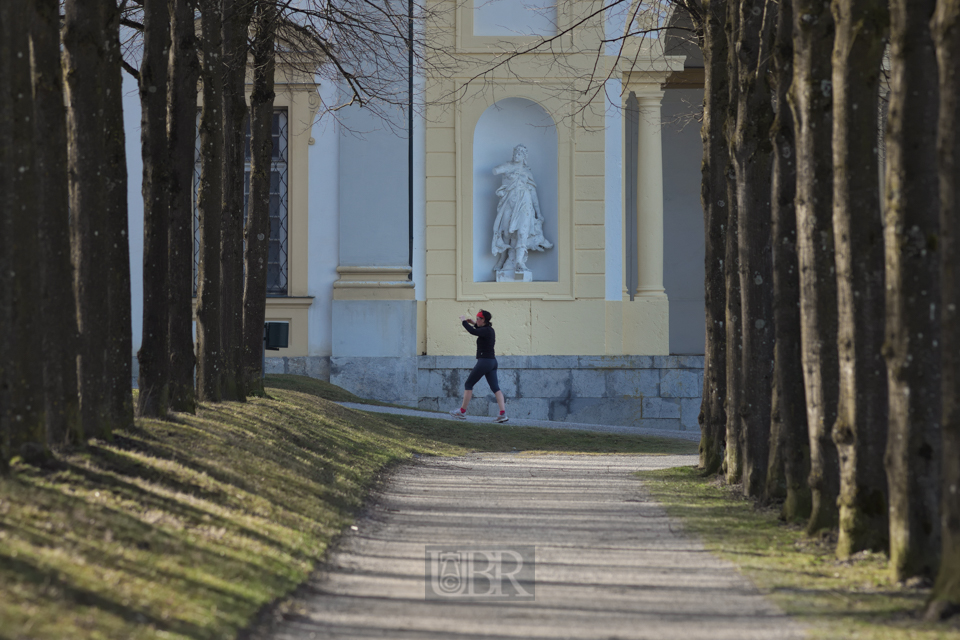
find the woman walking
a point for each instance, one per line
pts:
(486, 364)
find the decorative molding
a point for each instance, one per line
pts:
(293, 302)
(313, 101)
(687, 79)
(373, 283)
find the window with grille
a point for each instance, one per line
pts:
(277, 252)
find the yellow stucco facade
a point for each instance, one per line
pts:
(574, 314)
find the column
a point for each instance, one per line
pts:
(649, 194)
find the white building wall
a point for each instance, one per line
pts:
(374, 219)
(683, 239)
(613, 192)
(324, 225)
(131, 127)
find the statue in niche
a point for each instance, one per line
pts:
(518, 228)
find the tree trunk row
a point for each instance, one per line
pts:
(66, 280)
(851, 356)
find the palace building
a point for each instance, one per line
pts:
(606, 326)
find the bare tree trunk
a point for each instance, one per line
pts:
(118, 364)
(209, 321)
(912, 351)
(860, 431)
(812, 104)
(775, 484)
(58, 322)
(7, 205)
(789, 412)
(84, 57)
(184, 70)
(236, 22)
(945, 599)
(23, 398)
(752, 154)
(257, 232)
(713, 194)
(155, 345)
(731, 269)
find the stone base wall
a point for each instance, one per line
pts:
(312, 366)
(659, 392)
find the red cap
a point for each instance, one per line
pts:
(479, 314)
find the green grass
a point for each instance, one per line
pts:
(494, 437)
(849, 599)
(188, 528)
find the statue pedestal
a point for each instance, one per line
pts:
(514, 276)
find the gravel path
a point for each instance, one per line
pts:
(609, 563)
(575, 426)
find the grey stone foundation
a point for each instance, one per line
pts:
(659, 392)
(311, 366)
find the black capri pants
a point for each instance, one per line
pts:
(485, 367)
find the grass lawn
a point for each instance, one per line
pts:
(187, 528)
(850, 599)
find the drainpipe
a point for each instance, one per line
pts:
(410, 130)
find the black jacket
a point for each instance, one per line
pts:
(486, 338)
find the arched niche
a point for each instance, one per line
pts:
(502, 126)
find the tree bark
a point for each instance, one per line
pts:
(788, 415)
(912, 351)
(812, 104)
(210, 200)
(257, 232)
(23, 398)
(155, 345)
(775, 484)
(752, 152)
(945, 599)
(713, 195)
(184, 70)
(7, 203)
(236, 22)
(733, 459)
(84, 57)
(119, 357)
(860, 432)
(57, 317)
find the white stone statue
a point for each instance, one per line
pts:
(518, 228)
